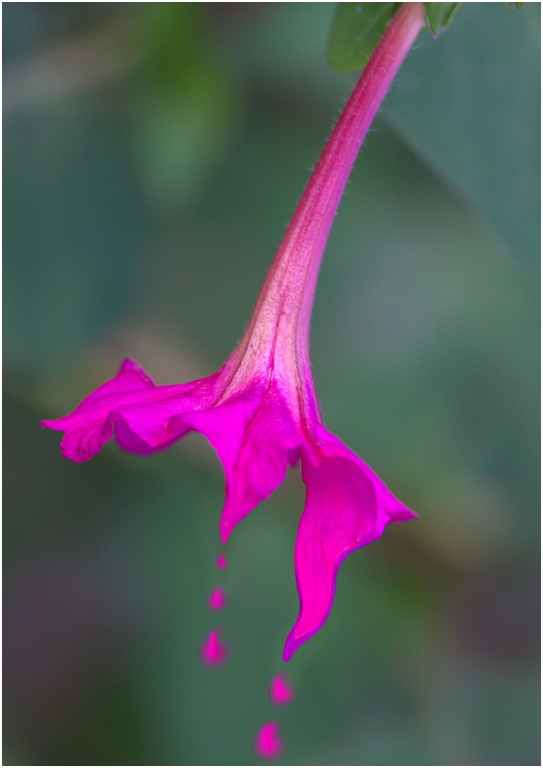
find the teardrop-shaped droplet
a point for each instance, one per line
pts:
(281, 693)
(222, 561)
(214, 651)
(268, 743)
(217, 600)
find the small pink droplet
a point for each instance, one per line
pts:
(267, 743)
(281, 693)
(214, 651)
(221, 561)
(217, 599)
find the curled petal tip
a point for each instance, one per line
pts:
(403, 516)
(292, 645)
(130, 366)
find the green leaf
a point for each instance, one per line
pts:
(356, 31)
(440, 15)
(470, 107)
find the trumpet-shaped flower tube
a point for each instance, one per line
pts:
(260, 410)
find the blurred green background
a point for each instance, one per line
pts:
(153, 156)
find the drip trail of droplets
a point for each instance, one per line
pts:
(268, 744)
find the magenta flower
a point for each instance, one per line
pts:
(260, 410)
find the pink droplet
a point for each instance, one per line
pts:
(221, 561)
(214, 651)
(267, 743)
(217, 599)
(281, 693)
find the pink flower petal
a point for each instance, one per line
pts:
(268, 744)
(147, 418)
(281, 693)
(270, 443)
(214, 651)
(341, 514)
(221, 561)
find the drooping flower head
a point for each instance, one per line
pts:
(260, 410)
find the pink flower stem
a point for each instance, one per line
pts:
(308, 231)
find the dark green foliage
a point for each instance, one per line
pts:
(358, 27)
(440, 15)
(356, 31)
